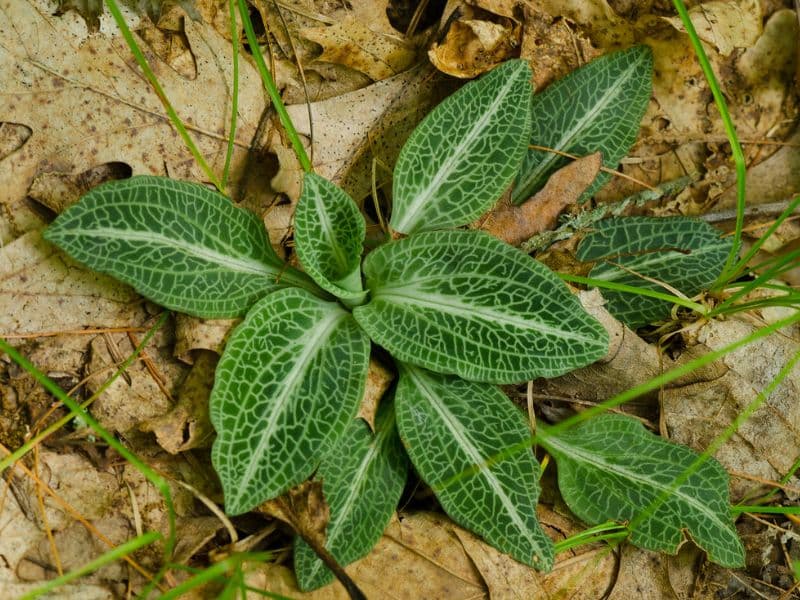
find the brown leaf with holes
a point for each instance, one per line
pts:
(516, 224)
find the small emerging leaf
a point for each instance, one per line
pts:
(463, 302)
(686, 254)
(598, 107)
(463, 155)
(178, 243)
(329, 237)
(362, 479)
(290, 380)
(611, 467)
(451, 428)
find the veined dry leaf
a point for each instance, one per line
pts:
(353, 129)
(476, 40)
(87, 104)
(41, 289)
(696, 412)
(355, 45)
(515, 224)
(726, 25)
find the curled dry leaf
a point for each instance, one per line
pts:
(476, 39)
(516, 224)
(379, 378)
(187, 424)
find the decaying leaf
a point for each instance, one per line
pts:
(147, 392)
(726, 25)
(187, 424)
(767, 444)
(515, 224)
(353, 44)
(106, 111)
(42, 289)
(379, 378)
(476, 38)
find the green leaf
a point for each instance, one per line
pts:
(464, 302)
(362, 479)
(597, 107)
(684, 253)
(463, 155)
(290, 380)
(451, 428)
(178, 243)
(329, 235)
(610, 467)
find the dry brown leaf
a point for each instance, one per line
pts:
(194, 333)
(42, 290)
(142, 396)
(187, 424)
(87, 104)
(475, 41)
(726, 25)
(379, 378)
(696, 412)
(354, 44)
(516, 224)
(551, 47)
(353, 129)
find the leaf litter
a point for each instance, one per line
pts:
(75, 111)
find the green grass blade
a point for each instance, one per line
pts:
(234, 93)
(112, 555)
(157, 480)
(272, 89)
(730, 132)
(151, 77)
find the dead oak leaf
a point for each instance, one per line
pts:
(86, 102)
(351, 43)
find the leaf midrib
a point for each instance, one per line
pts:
(312, 346)
(474, 455)
(360, 480)
(449, 305)
(237, 264)
(575, 454)
(328, 231)
(410, 217)
(657, 259)
(570, 135)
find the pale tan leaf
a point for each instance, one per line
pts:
(725, 25)
(353, 44)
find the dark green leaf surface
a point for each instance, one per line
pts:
(610, 467)
(451, 428)
(178, 243)
(329, 237)
(463, 302)
(686, 254)
(290, 380)
(463, 155)
(362, 479)
(598, 107)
